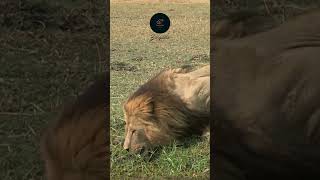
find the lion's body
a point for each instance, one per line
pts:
(172, 105)
(194, 89)
(75, 146)
(267, 102)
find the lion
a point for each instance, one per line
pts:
(75, 146)
(173, 105)
(266, 103)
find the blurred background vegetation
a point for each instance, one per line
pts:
(49, 52)
(283, 8)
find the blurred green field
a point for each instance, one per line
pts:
(137, 54)
(49, 53)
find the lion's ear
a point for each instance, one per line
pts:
(186, 68)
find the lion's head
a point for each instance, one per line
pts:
(158, 112)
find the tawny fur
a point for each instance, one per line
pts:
(75, 146)
(266, 110)
(171, 106)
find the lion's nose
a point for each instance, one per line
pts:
(126, 148)
(126, 145)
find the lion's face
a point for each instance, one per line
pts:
(135, 135)
(142, 131)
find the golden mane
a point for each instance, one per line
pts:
(166, 110)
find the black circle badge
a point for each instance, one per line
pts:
(160, 23)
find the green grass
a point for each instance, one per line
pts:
(137, 54)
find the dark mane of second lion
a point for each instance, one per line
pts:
(158, 89)
(76, 142)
